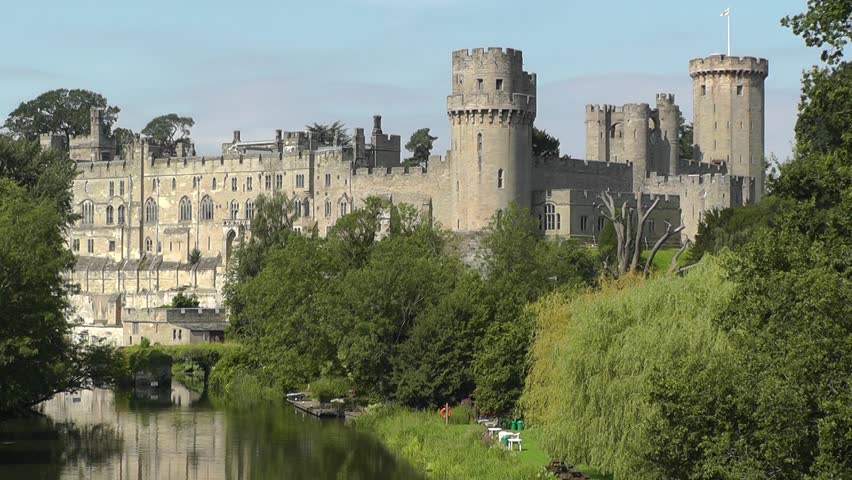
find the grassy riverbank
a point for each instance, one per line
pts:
(455, 450)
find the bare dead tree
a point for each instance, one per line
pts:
(663, 239)
(674, 267)
(641, 215)
(614, 216)
(628, 241)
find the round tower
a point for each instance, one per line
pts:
(491, 112)
(668, 114)
(636, 132)
(728, 104)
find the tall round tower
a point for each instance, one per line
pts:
(491, 111)
(669, 115)
(636, 146)
(728, 103)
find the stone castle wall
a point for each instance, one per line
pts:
(143, 215)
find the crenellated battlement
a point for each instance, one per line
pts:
(604, 108)
(665, 99)
(491, 54)
(582, 166)
(637, 108)
(723, 64)
(722, 180)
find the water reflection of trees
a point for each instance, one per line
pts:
(296, 447)
(39, 447)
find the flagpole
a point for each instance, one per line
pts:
(729, 32)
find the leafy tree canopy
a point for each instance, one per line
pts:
(184, 301)
(168, 130)
(324, 135)
(827, 24)
(685, 140)
(61, 112)
(124, 138)
(544, 144)
(34, 333)
(420, 146)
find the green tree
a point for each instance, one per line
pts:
(544, 144)
(60, 112)
(47, 175)
(169, 130)
(184, 301)
(324, 135)
(434, 365)
(784, 411)
(520, 265)
(420, 146)
(379, 304)
(824, 123)
(827, 24)
(124, 140)
(734, 227)
(283, 322)
(34, 334)
(684, 140)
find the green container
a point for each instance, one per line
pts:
(520, 424)
(505, 440)
(514, 425)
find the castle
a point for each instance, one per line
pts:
(142, 213)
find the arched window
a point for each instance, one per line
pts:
(87, 210)
(121, 214)
(500, 178)
(552, 220)
(307, 208)
(479, 149)
(194, 182)
(297, 207)
(154, 184)
(149, 245)
(344, 208)
(206, 208)
(109, 212)
(249, 209)
(150, 211)
(214, 183)
(174, 183)
(185, 210)
(235, 209)
(328, 208)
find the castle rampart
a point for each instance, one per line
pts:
(143, 216)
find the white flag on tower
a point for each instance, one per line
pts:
(726, 13)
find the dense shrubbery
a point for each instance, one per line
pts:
(401, 318)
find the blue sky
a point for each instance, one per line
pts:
(258, 65)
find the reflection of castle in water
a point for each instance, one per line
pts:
(168, 434)
(158, 443)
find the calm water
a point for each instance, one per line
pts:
(171, 435)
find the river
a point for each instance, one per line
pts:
(173, 434)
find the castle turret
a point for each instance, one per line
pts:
(491, 111)
(728, 101)
(668, 114)
(636, 130)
